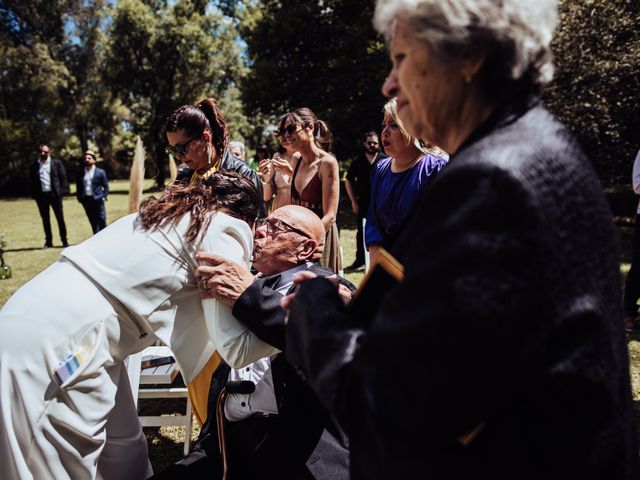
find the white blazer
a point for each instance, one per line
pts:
(149, 276)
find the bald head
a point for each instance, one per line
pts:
(291, 236)
(303, 219)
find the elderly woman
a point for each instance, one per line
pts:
(501, 354)
(66, 409)
(397, 181)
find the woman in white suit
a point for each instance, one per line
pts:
(105, 299)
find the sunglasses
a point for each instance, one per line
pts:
(275, 226)
(179, 148)
(288, 130)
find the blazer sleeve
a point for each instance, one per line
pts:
(62, 178)
(104, 183)
(236, 344)
(259, 309)
(451, 334)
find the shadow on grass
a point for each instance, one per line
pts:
(31, 249)
(165, 444)
(163, 451)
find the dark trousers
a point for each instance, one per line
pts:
(632, 285)
(360, 241)
(96, 213)
(44, 201)
(244, 440)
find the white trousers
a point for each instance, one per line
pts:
(87, 427)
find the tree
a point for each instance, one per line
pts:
(51, 85)
(161, 56)
(323, 54)
(596, 89)
(33, 79)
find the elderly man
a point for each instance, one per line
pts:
(276, 432)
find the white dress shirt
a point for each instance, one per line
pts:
(45, 174)
(88, 178)
(263, 400)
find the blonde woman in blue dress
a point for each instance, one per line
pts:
(105, 299)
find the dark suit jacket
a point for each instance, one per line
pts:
(59, 184)
(231, 163)
(296, 436)
(508, 321)
(99, 185)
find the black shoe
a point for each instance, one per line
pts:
(64, 244)
(354, 266)
(47, 245)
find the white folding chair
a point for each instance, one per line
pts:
(160, 375)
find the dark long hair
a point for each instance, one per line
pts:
(228, 192)
(195, 119)
(305, 116)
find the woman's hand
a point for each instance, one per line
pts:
(298, 279)
(265, 168)
(282, 165)
(222, 278)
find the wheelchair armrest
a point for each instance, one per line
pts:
(243, 387)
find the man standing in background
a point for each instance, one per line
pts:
(92, 189)
(358, 185)
(49, 184)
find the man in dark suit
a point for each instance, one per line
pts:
(278, 431)
(92, 189)
(358, 186)
(48, 180)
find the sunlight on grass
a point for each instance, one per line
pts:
(21, 224)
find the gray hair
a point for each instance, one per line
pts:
(239, 145)
(517, 33)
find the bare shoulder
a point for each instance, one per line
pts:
(328, 162)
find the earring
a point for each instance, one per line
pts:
(209, 154)
(467, 78)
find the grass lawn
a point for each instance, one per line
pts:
(23, 232)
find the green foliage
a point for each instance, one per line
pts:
(75, 74)
(51, 87)
(596, 90)
(323, 54)
(163, 56)
(78, 73)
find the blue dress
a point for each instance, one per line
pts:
(393, 196)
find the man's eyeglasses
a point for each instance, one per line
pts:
(288, 130)
(179, 148)
(275, 226)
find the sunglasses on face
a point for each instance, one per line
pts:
(179, 148)
(275, 226)
(288, 130)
